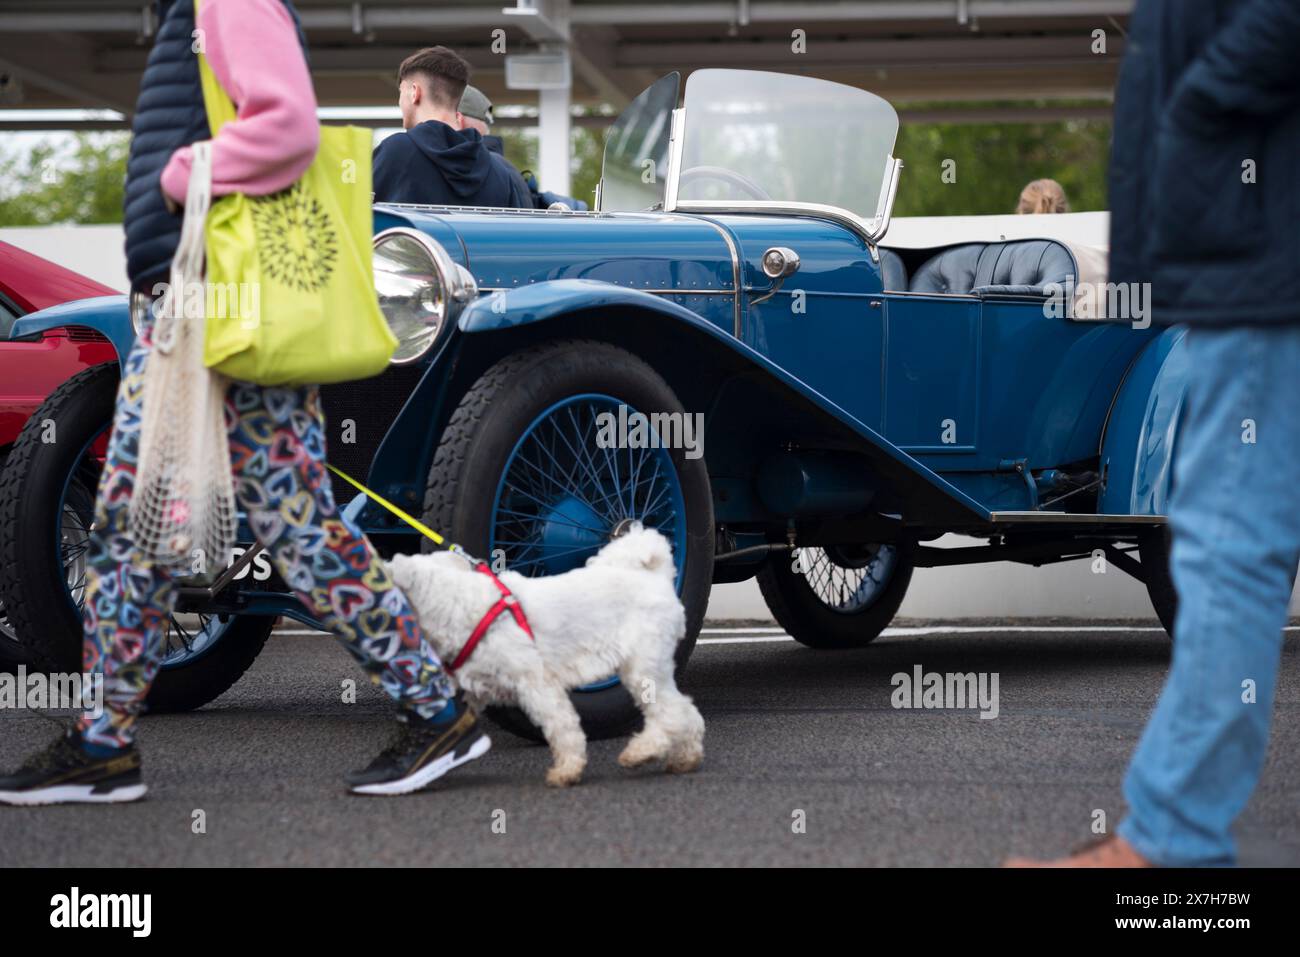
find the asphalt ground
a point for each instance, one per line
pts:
(807, 763)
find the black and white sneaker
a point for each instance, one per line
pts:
(65, 774)
(421, 753)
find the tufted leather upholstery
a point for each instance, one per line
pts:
(951, 271)
(1022, 267)
(893, 272)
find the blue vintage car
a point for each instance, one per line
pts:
(726, 349)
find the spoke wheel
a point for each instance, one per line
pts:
(562, 495)
(529, 433)
(837, 597)
(848, 582)
(47, 499)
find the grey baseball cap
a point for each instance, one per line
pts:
(475, 105)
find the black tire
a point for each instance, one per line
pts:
(476, 446)
(807, 616)
(1155, 548)
(33, 585)
(32, 574)
(12, 653)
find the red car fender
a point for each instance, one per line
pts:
(30, 370)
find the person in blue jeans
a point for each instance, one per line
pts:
(1236, 526)
(1205, 207)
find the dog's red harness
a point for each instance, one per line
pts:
(507, 600)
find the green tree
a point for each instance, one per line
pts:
(992, 162)
(78, 180)
(520, 146)
(588, 151)
(586, 146)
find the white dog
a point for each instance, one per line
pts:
(617, 615)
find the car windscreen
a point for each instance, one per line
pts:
(757, 136)
(636, 150)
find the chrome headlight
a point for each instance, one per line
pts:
(420, 289)
(141, 305)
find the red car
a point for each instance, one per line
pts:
(32, 368)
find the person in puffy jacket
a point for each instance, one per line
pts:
(1205, 210)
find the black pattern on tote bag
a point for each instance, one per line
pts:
(296, 242)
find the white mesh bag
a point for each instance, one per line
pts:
(182, 510)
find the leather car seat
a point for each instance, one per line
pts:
(893, 272)
(1021, 267)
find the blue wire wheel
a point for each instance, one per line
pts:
(571, 480)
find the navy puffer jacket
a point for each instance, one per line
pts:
(1209, 99)
(169, 114)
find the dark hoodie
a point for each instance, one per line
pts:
(433, 164)
(497, 146)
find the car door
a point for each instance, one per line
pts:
(818, 324)
(932, 371)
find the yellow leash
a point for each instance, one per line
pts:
(507, 602)
(409, 519)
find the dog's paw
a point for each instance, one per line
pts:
(684, 763)
(563, 776)
(635, 757)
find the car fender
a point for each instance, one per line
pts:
(1137, 452)
(110, 316)
(501, 315)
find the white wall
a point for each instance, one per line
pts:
(1001, 590)
(93, 251)
(977, 591)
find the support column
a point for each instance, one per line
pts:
(547, 24)
(553, 148)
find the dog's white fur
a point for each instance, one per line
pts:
(619, 614)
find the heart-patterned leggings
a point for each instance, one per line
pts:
(277, 450)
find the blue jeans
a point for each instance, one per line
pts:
(1235, 516)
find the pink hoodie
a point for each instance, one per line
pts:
(253, 48)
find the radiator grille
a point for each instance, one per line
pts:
(372, 405)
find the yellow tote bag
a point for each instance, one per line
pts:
(290, 297)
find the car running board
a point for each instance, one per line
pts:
(1072, 518)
